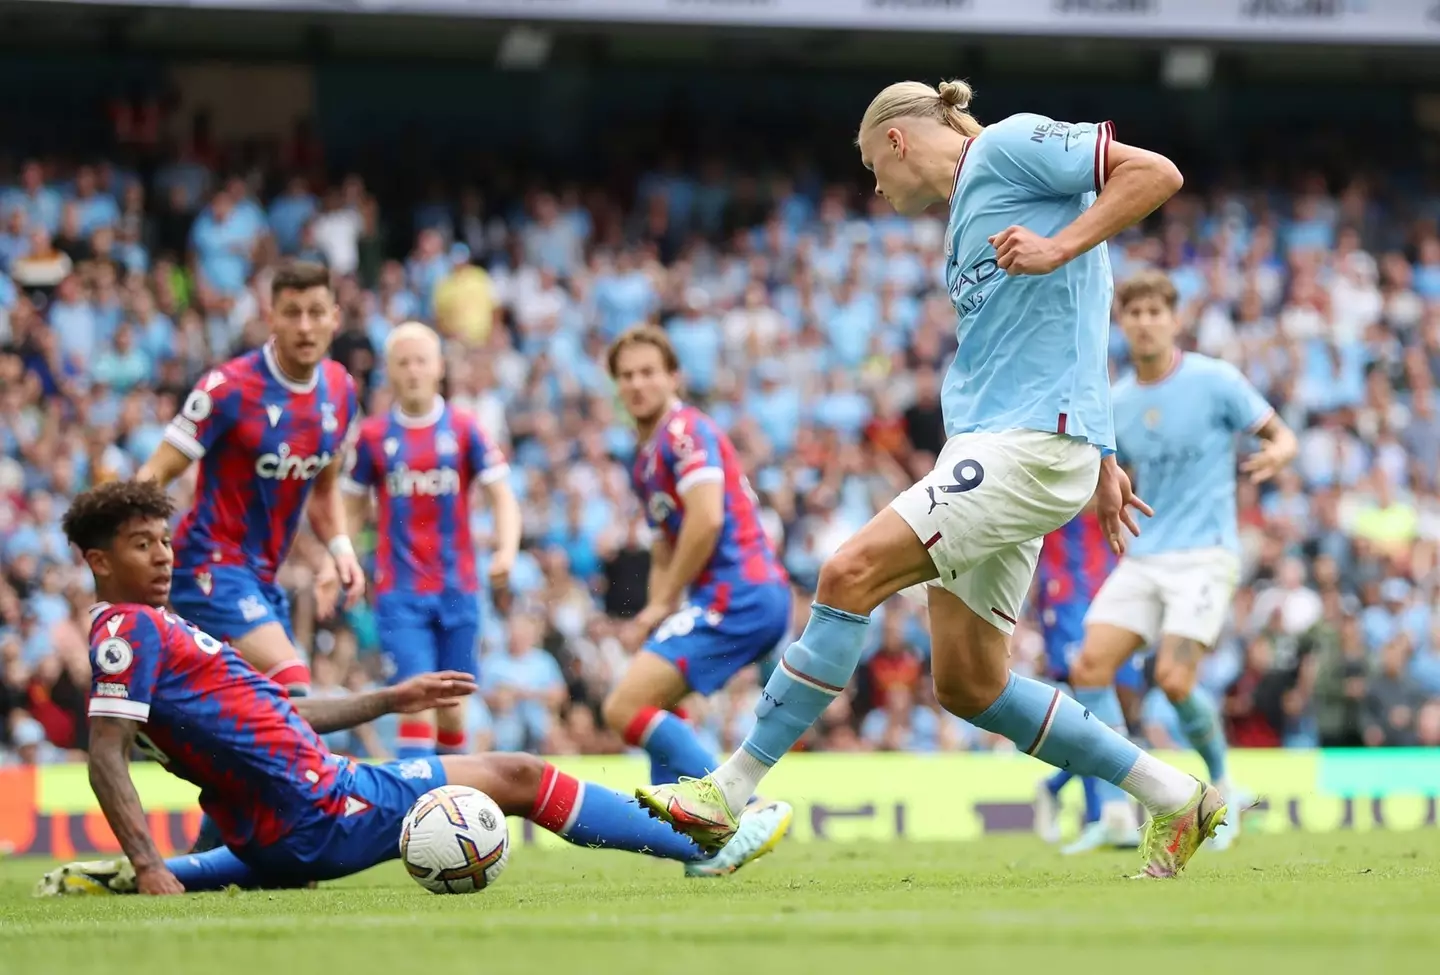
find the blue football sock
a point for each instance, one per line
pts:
(1104, 706)
(213, 870)
(1056, 729)
(813, 670)
(673, 746)
(1092, 799)
(1058, 781)
(591, 815)
(1201, 722)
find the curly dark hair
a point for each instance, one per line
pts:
(97, 514)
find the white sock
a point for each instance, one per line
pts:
(738, 777)
(1161, 788)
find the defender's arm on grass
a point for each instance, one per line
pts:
(111, 740)
(446, 689)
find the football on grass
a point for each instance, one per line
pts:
(454, 840)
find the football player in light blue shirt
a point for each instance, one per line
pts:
(1177, 420)
(1027, 409)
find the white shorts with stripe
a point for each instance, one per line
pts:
(1185, 594)
(985, 508)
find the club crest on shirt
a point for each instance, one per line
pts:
(445, 443)
(328, 421)
(1151, 419)
(205, 581)
(391, 446)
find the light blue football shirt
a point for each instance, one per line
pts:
(1178, 436)
(1032, 352)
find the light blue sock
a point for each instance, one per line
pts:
(1054, 728)
(1104, 706)
(813, 670)
(1201, 722)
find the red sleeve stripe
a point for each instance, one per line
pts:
(1103, 136)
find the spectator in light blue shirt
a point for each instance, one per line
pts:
(289, 213)
(696, 336)
(40, 204)
(222, 242)
(123, 365)
(901, 725)
(776, 407)
(96, 209)
(73, 320)
(623, 297)
(14, 238)
(850, 324)
(523, 688)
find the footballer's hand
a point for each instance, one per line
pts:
(1021, 251)
(157, 881)
(638, 630)
(500, 568)
(352, 577)
(1266, 462)
(1114, 499)
(446, 689)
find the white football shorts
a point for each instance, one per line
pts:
(985, 508)
(1185, 594)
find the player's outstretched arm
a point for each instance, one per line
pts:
(446, 689)
(111, 740)
(164, 466)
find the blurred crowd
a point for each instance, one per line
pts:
(810, 321)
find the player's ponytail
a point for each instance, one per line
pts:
(949, 105)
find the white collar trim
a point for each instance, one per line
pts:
(293, 385)
(429, 419)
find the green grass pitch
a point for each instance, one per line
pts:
(1336, 902)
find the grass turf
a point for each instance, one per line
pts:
(1296, 902)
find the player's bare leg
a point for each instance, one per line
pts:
(638, 710)
(268, 649)
(1177, 662)
(590, 815)
(883, 558)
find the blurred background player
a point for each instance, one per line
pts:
(709, 550)
(1176, 420)
(421, 460)
(1074, 562)
(269, 430)
(289, 811)
(1027, 413)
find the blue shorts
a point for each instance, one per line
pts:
(1064, 629)
(228, 601)
(420, 634)
(368, 833)
(710, 646)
